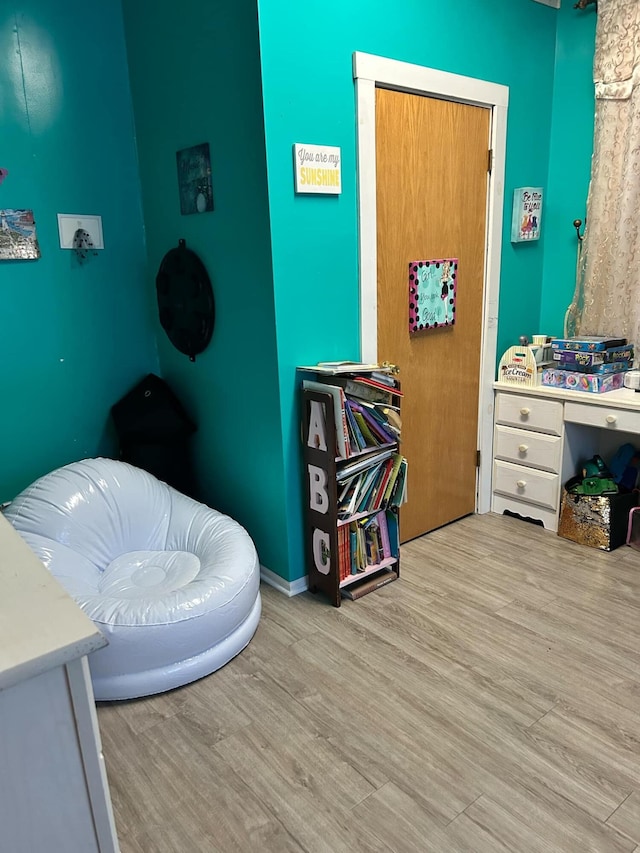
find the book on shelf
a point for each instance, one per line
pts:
(380, 386)
(368, 584)
(343, 449)
(357, 387)
(344, 556)
(392, 479)
(332, 368)
(362, 462)
(358, 438)
(380, 485)
(398, 494)
(385, 378)
(369, 437)
(370, 540)
(377, 424)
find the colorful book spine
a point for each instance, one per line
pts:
(374, 425)
(360, 443)
(384, 535)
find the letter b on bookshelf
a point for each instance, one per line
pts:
(318, 494)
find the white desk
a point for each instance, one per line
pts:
(541, 437)
(53, 785)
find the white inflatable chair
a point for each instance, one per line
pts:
(173, 584)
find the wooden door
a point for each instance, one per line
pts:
(432, 172)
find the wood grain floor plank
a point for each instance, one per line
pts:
(626, 818)
(558, 624)
(203, 793)
(301, 797)
(398, 821)
(526, 824)
(470, 836)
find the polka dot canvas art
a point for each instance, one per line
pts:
(432, 294)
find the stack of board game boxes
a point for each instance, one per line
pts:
(592, 364)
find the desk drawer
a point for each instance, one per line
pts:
(526, 484)
(606, 417)
(529, 412)
(528, 448)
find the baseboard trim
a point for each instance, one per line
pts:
(289, 588)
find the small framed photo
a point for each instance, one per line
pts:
(194, 179)
(527, 214)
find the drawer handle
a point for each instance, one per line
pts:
(524, 411)
(611, 419)
(521, 484)
(523, 448)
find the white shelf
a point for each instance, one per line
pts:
(370, 570)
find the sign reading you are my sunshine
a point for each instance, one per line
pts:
(317, 169)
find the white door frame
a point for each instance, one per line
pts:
(370, 71)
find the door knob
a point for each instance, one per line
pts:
(521, 484)
(523, 448)
(525, 411)
(611, 419)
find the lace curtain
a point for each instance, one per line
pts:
(607, 298)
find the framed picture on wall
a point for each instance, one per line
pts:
(194, 179)
(18, 241)
(527, 214)
(432, 294)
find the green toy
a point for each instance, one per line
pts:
(595, 486)
(596, 479)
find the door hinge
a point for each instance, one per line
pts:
(477, 458)
(490, 160)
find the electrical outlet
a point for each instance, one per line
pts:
(68, 224)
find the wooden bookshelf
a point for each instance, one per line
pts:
(348, 485)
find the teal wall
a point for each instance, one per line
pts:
(74, 339)
(195, 77)
(309, 97)
(571, 147)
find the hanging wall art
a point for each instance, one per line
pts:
(194, 179)
(526, 217)
(432, 294)
(18, 241)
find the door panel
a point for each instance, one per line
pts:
(432, 161)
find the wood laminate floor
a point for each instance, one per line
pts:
(487, 702)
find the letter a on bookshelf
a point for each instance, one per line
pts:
(321, 551)
(319, 496)
(317, 437)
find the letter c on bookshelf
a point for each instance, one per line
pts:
(318, 494)
(317, 437)
(321, 551)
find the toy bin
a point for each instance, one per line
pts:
(600, 521)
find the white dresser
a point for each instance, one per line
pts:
(54, 794)
(541, 437)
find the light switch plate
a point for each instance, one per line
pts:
(68, 224)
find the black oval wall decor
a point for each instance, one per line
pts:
(185, 300)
